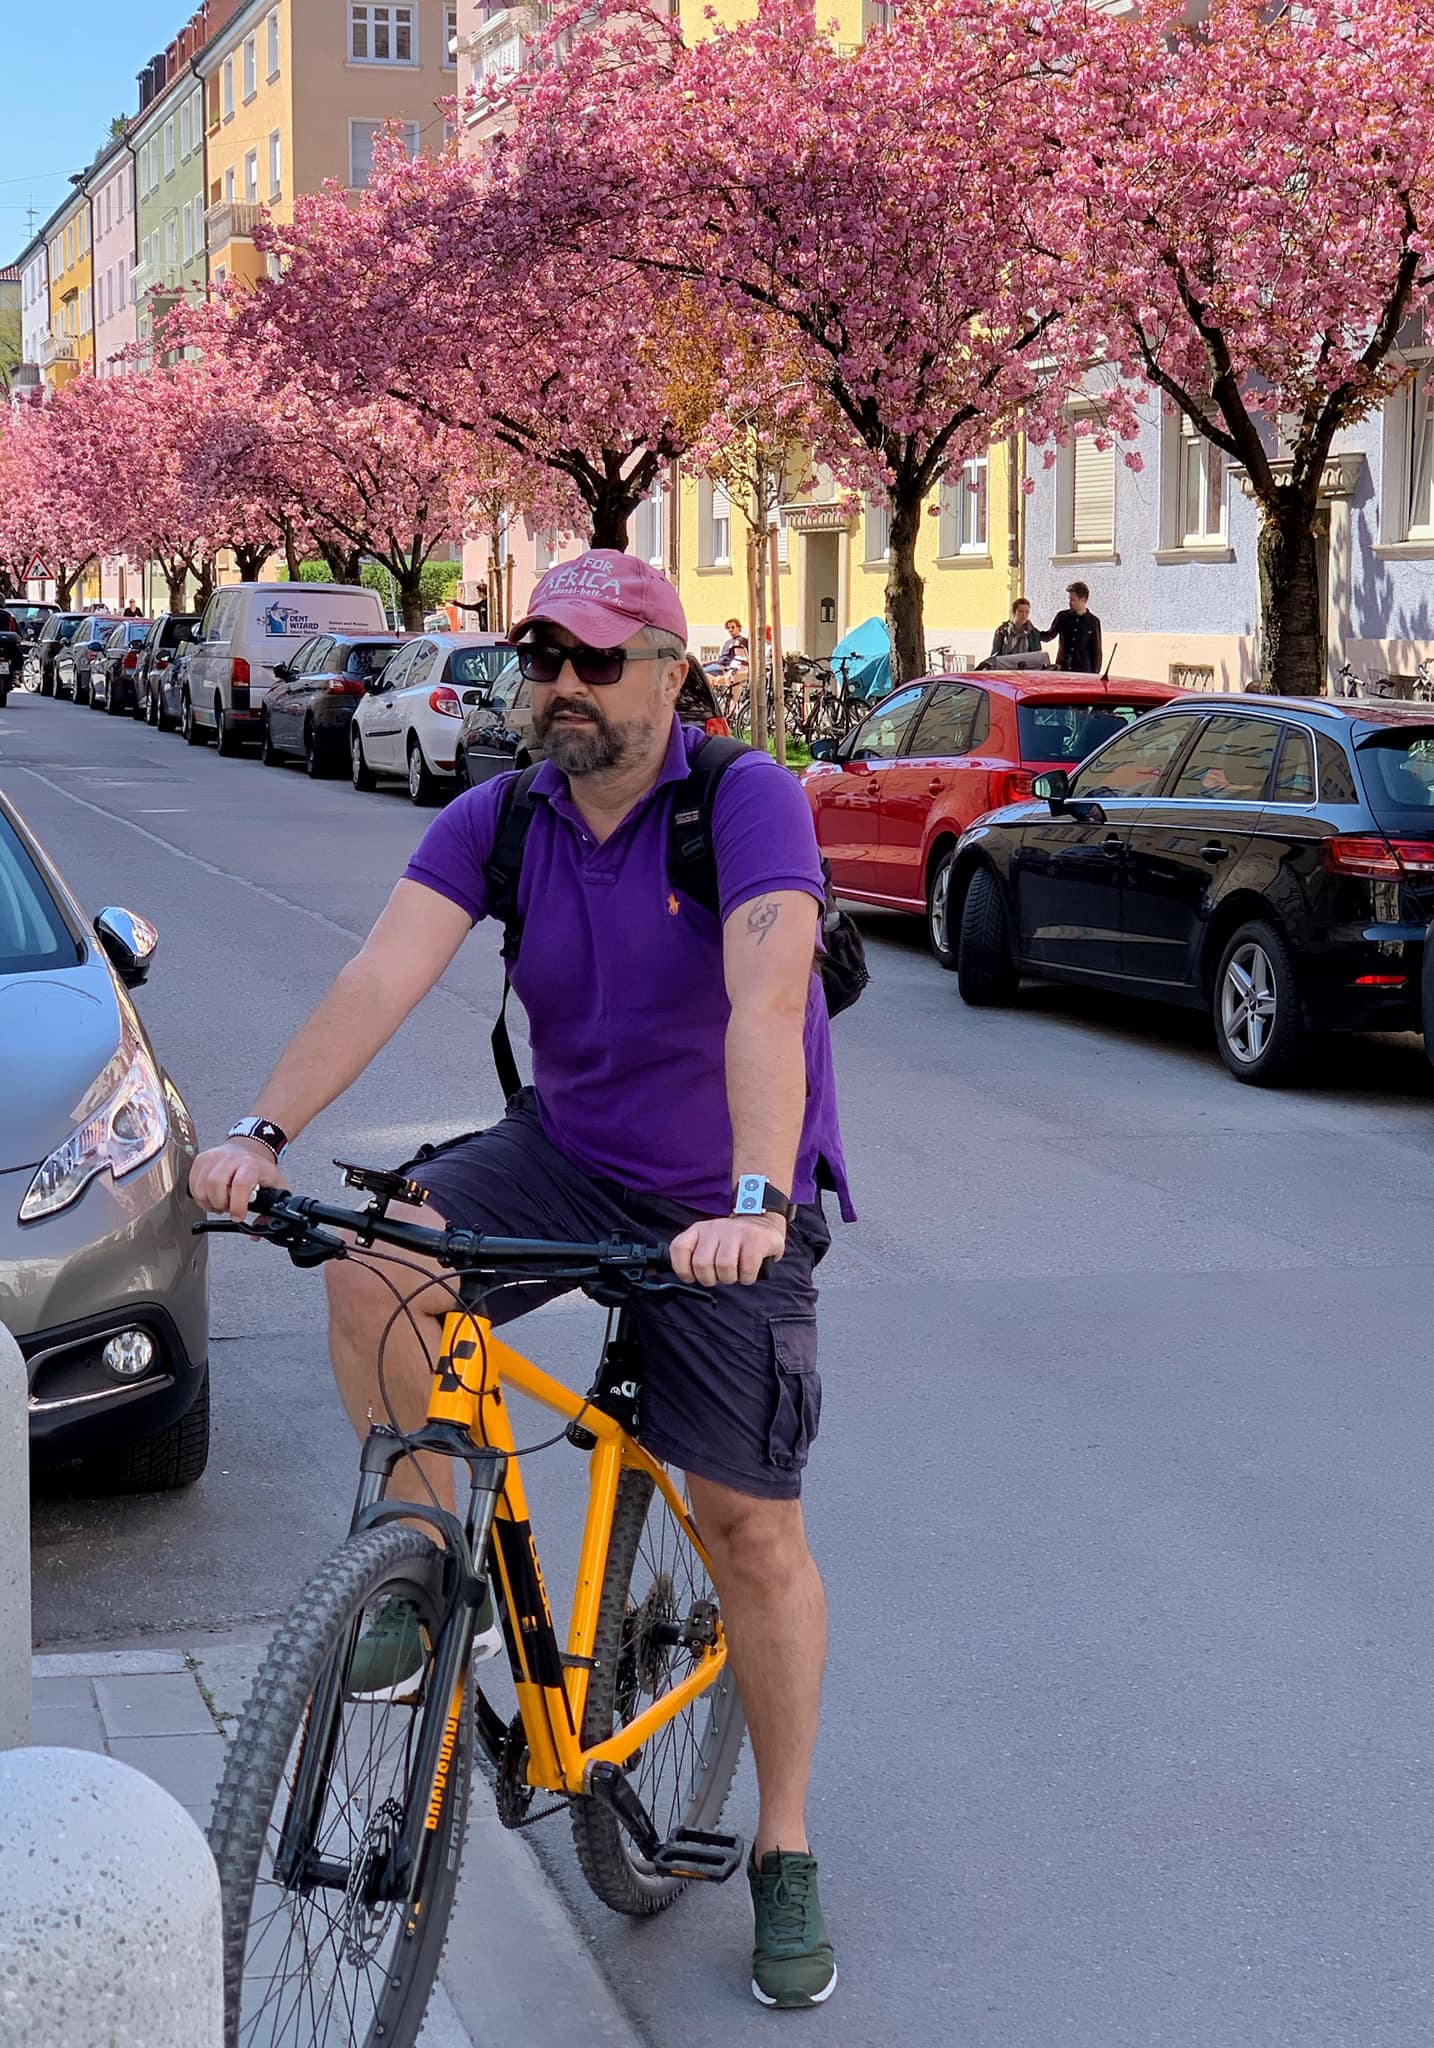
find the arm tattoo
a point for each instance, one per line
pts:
(762, 916)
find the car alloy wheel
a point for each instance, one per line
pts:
(938, 912)
(1249, 1002)
(194, 733)
(360, 774)
(422, 783)
(269, 754)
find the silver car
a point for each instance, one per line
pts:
(101, 1279)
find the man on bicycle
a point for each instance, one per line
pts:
(676, 1055)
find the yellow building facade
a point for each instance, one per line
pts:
(70, 345)
(350, 66)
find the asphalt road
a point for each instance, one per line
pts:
(1122, 1491)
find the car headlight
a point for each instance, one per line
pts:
(125, 1132)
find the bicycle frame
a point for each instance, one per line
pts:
(470, 1418)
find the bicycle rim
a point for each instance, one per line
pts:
(348, 1961)
(655, 1621)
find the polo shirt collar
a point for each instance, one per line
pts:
(550, 780)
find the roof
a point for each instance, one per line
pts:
(10, 273)
(1352, 710)
(1059, 683)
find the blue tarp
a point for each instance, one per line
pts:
(865, 655)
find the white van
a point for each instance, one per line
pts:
(245, 630)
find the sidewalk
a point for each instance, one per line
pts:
(516, 1969)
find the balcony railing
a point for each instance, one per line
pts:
(25, 377)
(57, 348)
(232, 220)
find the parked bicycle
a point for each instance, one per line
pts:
(338, 1828)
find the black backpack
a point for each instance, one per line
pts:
(691, 867)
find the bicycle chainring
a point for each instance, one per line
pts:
(513, 1794)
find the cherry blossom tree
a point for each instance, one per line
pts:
(887, 209)
(1251, 197)
(42, 500)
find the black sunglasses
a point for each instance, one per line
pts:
(541, 662)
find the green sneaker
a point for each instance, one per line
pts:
(391, 1650)
(792, 1961)
(389, 1653)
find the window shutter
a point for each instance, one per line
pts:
(1093, 514)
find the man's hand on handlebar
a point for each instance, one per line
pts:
(223, 1179)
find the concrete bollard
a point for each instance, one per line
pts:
(14, 1545)
(109, 1909)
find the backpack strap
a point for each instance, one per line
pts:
(501, 873)
(691, 860)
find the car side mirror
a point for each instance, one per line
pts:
(373, 684)
(282, 672)
(194, 631)
(824, 750)
(1054, 787)
(129, 942)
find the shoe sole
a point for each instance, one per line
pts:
(796, 2004)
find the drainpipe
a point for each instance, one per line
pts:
(1015, 517)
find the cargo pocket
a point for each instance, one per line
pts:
(797, 1409)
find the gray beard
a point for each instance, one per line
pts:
(577, 752)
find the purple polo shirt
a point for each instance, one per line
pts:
(622, 979)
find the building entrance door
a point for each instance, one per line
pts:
(820, 627)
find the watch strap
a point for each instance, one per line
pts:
(263, 1132)
(755, 1195)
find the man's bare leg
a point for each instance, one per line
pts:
(774, 1611)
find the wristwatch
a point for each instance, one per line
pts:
(755, 1195)
(266, 1133)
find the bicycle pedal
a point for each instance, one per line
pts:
(691, 1852)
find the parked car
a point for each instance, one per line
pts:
(48, 645)
(101, 1281)
(16, 645)
(891, 800)
(307, 712)
(169, 632)
(12, 656)
(1270, 859)
(30, 617)
(84, 648)
(410, 717)
(115, 670)
(498, 734)
(245, 630)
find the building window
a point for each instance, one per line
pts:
(229, 191)
(381, 33)
(186, 240)
(646, 532)
(226, 87)
(714, 524)
(123, 285)
(271, 36)
(1202, 488)
(1418, 521)
(963, 511)
(362, 137)
(251, 178)
(184, 133)
(251, 67)
(196, 117)
(1090, 498)
(171, 244)
(450, 35)
(878, 530)
(276, 164)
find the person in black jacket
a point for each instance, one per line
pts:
(1078, 631)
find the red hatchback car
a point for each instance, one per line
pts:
(897, 793)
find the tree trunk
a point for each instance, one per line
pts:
(410, 599)
(64, 585)
(610, 517)
(175, 579)
(249, 558)
(204, 587)
(291, 553)
(345, 565)
(905, 594)
(1292, 641)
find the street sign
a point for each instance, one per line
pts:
(37, 572)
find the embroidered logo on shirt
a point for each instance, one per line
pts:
(673, 906)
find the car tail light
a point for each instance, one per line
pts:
(445, 702)
(1381, 980)
(1377, 858)
(343, 686)
(240, 671)
(1012, 786)
(717, 728)
(130, 662)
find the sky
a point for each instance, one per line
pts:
(56, 113)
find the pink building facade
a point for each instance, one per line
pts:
(111, 190)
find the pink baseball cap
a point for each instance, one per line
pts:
(605, 599)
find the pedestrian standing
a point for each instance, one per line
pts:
(1016, 635)
(735, 638)
(1078, 631)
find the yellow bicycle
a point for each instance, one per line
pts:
(338, 1828)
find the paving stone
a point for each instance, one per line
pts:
(188, 1766)
(158, 1704)
(51, 1694)
(107, 1663)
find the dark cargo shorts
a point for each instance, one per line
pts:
(730, 1390)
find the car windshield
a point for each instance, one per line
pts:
(1398, 769)
(137, 631)
(66, 629)
(478, 664)
(33, 935)
(30, 614)
(369, 661)
(176, 629)
(1059, 735)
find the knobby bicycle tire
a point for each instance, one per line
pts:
(653, 1577)
(394, 1559)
